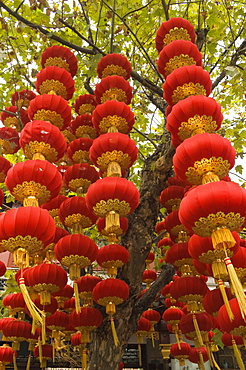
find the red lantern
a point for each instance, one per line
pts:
(152, 315)
(114, 64)
(53, 207)
(60, 56)
(164, 245)
(160, 227)
(17, 331)
(76, 251)
(47, 354)
(42, 140)
(113, 152)
(186, 81)
(69, 305)
(113, 88)
(180, 351)
(197, 325)
(34, 182)
(174, 29)
(239, 263)
(5, 165)
(227, 340)
(48, 250)
(121, 365)
(178, 255)
(7, 355)
(3, 268)
(78, 150)
(113, 116)
(49, 309)
(85, 104)
(148, 277)
(213, 300)
(9, 140)
(198, 356)
(16, 119)
(87, 320)
(57, 322)
(16, 303)
(177, 54)
(55, 80)
(51, 108)
(112, 257)
(22, 98)
(237, 325)
(176, 229)
(171, 197)
(114, 234)
(86, 285)
(82, 126)
(204, 158)
(79, 177)
(63, 295)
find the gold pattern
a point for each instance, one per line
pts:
(178, 61)
(215, 254)
(80, 261)
(55, 86)
(176, 34)
(12, 122)
(82, 184)
(191, 297)
(107, 300)
(123, 159)
(197, 124)
(176, 230)
(113, 69)
(31, 188)
(182, 92)
(58, 62)
(114, 94)
(110, 264)
(45, 149)
(43, 287)
(31, 244)
(86, 109)
(81, 131)
(206, 225)
(119, 123)
(78, 219)
(81, 156)
(218, 166)
(7, 146)
(49, 116)
(103, 207)
(174, 203)
(68, 135)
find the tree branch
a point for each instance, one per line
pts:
(82, 4)
(165, 8)
(146, 137)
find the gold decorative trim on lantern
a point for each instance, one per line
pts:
(2, 177)
(58, 62)
(53, 86)
(174, 203)
(191, 297)
(176, 34)
(86, 109)
(178, 61)
(182, 92)
(13, 243)
(109, 302)
(215, 254)
(75, 259)
(218, 166)
(31, 188)
(219, 269)
(7, 146)
(16, 342)
(112, 70)
(41, 287)
(86, 131)
(176, 230)
(49, 116)
(77, 218)
(123, 159)
(103, 207)
(206, 225)
(13, 122)
(196, 125)
(68, 135)
(87, 298)
(36, 147)
(113, 122)
(114, 94)
(81, 156)
(79, 185)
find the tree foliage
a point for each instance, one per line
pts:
(93, 28)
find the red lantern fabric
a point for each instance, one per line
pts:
(178, 255)
(195, 356)
(180, 350)
(17, 331)
(121, 365)
(227, 339)
(57, 321)
(171, 197)
(149, 276)
(78, 150)
(22, 98)
(177, 54)
(237, 325)
(175, 28)
(88, 319)
(160, 227)
(113, 88)
(204, 320)
(47, 351)
(113, 147)
(213, 300)
(152, 315)
(49, 309)
(9, 140)
(85, 104)
(63, 295)
(34, 178)
(52, 108)
(110, 291)
(164, 244)
(82, 126)
(80, 176)
(60, 56)
(186, 81)
(112, 194)
(54, 204)
(7, 355)
(112, 256)
(44, 138)
(15, 302)
(86, 285)
(3, 268)
(239, 263)
(188, 288)
(114, 64)
(69, 305)
(5, 165)
(195, 114)
(174, 226)
(113, 114)
(16, 120)
(202, 154)
(55, 79)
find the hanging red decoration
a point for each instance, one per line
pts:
(239, 263)
(175, 28)
(79, 177)
(60, 56)
(148, 277)
(5, 165)
(113, 152)
(113, 88)
(186, 81)
(9, 140)
(171, 197)
(42, 140)
(51, 108)
(49, 309)
(160, 227)
(3, 268)
(63, 295)
(164, 244)
(22, 98)
(113, 116)
(78, 150)
(56, 81)
(180, 351)
(15, 119)
(86, 285)
(237, 325)
(85, 104)
(213, 300)
(82, 126)
(17, 331)
(112, 257)
(114, 234)
(53, 208)
(34, 182)
(43, 352)
(177, 54)
(15, 303)
(178, 255)
(7, 355)
(87, 320)
(57, 322)
(69, 305)
(199, 356)
(48, 250)
(176, 229)
(114, 64)
(196, 325)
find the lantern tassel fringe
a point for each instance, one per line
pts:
(139, 354)
(15, 364)
(198, 333)
(116, 340)
(238, 356)
(152, 339)
(77, 299)
(225, 300)
(214, 362)
(40, 350)
(201, 361)
(177, 339)
(84, 360)
(28, 365)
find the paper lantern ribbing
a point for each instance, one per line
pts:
(171, 197)
(42, 140)
(79, 177)
(86, 285)
(63, 295)
(113, 116)
(176, 229)
(204, 158)
(34, 182)
(3, 268)
(177, 54)
(16, 119)
(46, 353)
(7, 355)
(180, 351)
(196, 325)
(5, 165)
(87, 320)
(113, 152)
(198, 356)
(175, 28)
(22, 98)
(186, 81)
(114, 64)
(111, 257)
(60, 56)
(78, 150)
(178, 255)
(213, 300)
(51, 108)
(234, 342)
(82, 126)
(194, 115)
(17, 331)
(16, 304)
(57, 322)
(85, 104)
(9, 140)
(113, 88)
(49, 309)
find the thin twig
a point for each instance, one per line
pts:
(146, 137)
(136, 10)
(112, 28)
(87, 19)
(165, 8)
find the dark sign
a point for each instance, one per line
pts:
(131, 357)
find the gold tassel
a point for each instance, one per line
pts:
(152, 339)
(209, 177)
(198, 333)
(201, 360)
(43, 328)
(77, 299)
(237, 287)
(84, 359)
(38, 156)
(30, 202)
(53, 351)
(21, 257)
(116, 340)
(222, 238)
(225, 299)
(139, 354)
(114, 170)
(40, 350)
(112, 221)
(238, 356)
(15, 364)
(177, 339)
(28, 365)
(219, 270)
(214, 362)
